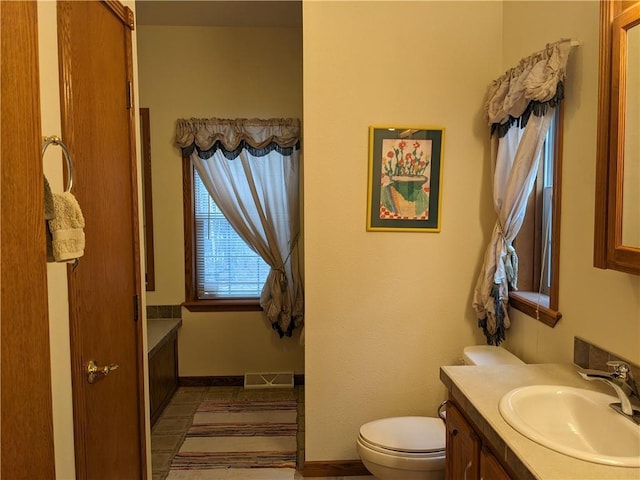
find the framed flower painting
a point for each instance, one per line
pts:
(405, 172)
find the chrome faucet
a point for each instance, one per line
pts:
(622, 381)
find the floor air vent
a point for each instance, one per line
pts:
(268, 380)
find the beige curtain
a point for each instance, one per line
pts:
(520, 106)
(251, 169)
(256, 133)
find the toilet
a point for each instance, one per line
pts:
(413, 448)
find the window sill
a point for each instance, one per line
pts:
(226, 305)
(527, 304)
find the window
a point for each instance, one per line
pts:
(225, 265)
(538, 242)
(223, 273)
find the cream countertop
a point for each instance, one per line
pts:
(478, 390)
(158, 331)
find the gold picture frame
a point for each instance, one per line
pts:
(405, 179)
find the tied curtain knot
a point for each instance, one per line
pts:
(510, 260)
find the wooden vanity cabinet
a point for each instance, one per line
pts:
(163, 374)
(467, 458)
(463, 447)
(490, 469)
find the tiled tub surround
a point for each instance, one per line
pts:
(478, 390)
(164, 311)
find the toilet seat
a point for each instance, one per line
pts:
(409, 437)
(437, 454)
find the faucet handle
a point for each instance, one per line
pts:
(620, 369)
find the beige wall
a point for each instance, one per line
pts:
(601, 306)
(213, 72)
(385, 310)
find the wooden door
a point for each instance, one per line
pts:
(97, 124)
(25, 408)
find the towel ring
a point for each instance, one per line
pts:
(56, 141)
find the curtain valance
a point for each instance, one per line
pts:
(531, 87)
(231, 136)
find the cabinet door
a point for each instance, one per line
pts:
(463, 447)
(163, 376)
(490, 469)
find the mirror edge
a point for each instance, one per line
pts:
(607, 254)
(145, 137)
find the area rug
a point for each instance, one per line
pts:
(257, 434)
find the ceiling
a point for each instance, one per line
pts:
(220, 13)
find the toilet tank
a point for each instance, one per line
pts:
(489, 355)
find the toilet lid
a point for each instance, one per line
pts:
(406, 434)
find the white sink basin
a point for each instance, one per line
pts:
(575, 422)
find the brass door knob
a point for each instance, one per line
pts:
(94, 372)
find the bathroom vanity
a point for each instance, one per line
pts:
(162, 339)
(466, 457)
(482, 445)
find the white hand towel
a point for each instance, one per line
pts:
(66, 228)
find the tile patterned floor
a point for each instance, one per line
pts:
(169, 431)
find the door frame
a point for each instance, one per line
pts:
(26, 413)
(125, 15)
